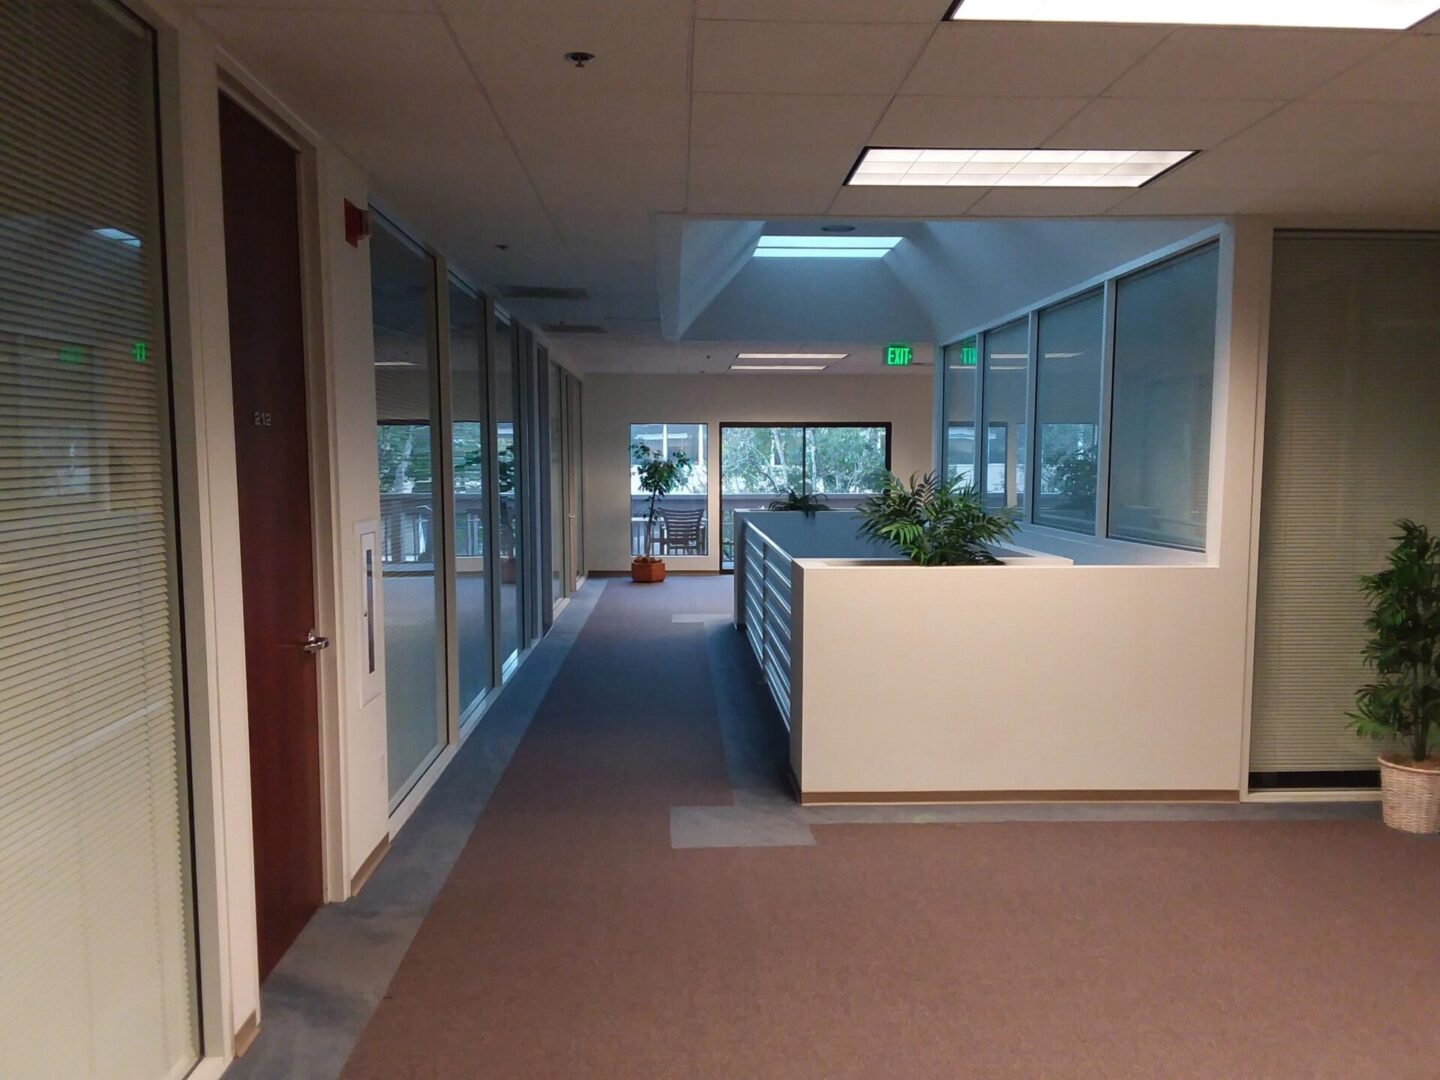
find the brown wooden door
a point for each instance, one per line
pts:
(267, 359)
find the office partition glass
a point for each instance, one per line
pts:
(1069, 371)
(559, 482)
(1007, 375)
(682, 525)
(961, 372)
(1164, 372)
(509, 482)
(402, 283)
(97, 952)
(469, 401)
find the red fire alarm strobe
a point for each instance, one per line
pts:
(357, 224)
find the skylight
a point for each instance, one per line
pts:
(899, 167)
(1352, 14)
(825, 247)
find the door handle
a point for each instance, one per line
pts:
(314, 642)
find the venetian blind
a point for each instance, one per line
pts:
(1352, 442)
(97, 978)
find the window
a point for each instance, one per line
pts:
(760, 463)
(411, 513)
(1007, 373)
(1069, 372)
(682, 525)
(510, 483)
(1164, 371)
(468, 448)
(961, 368)
(97, 957)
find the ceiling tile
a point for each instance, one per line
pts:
(1339, 127)
(805, 58)
(905, 202)
(1135, 123)
(708, 196)
(1225, 168)
(631, 53)
(966, 122)
(576, 118)
(930, 12)
(649, 9)
(383, 72)
(1028, 59)
(1158, 199)
(1254, 63)
(736, 166)
(786, 119)
(350, 6)
(1409, 70)
(1040, 202)
(1390, 182)
(1427, 26)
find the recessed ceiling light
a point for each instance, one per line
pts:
(825, 247)
(891, 166)
(1350, 14)
(778, 367)
(393, 363)
(791, 356)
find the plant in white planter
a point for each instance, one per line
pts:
(934, 522)
(1402, 705)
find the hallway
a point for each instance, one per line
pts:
(593, 926)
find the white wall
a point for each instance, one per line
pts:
(614, 402)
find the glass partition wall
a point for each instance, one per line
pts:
(1109, 392)
(466, 518)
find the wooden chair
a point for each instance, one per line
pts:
(684, 532)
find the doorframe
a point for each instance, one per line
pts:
(320, 391)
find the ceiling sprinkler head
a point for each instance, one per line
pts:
(579, 59)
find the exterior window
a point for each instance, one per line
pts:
(760, 463)
(1007, 372)
(1164, 371)
(1069, 371)
(683, 526)
(961, 368)
(468, 424)
(510, 484)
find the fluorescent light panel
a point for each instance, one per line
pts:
(825, 247)
(791, 355)
(1351, 14)
(778, 367)
(915, 167)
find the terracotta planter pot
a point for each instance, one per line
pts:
(647, 571)
(1410, 797)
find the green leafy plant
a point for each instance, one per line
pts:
(807, 504)
(1403, 703)
(934, 522)
(1072, 473)
(658, 476)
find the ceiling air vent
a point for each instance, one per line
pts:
(573, 328)
(542, 292)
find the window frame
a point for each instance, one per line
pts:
(704, 427)
(1109, 282)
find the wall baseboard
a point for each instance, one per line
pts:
(246, 1034)
(368, 866)
(841, 798)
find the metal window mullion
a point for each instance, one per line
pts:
(443, 486)
(1032, 433)
(1107, 398)
(982, 422)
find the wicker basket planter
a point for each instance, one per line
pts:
(1411, 797)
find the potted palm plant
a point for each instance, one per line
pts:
(807, 504)
(657, 476)
(934, 522)
(1402, 705)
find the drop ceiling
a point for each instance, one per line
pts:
(476, 131)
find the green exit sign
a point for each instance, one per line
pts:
(969, 355)
(899, 355)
